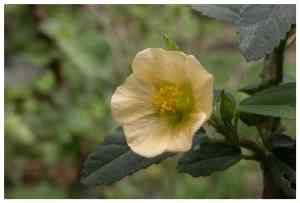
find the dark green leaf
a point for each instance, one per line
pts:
(251, 119)
(260, 27)
(113, 160)
(279, 101)
(209, 158)
(252, 89)
(270, 110)
(283, 176)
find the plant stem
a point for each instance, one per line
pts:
(249, 157)
(253, 146)
(272, 75)
(273, 65)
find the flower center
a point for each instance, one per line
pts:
(166, 98)
(173, 102)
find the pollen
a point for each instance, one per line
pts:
(166, 98)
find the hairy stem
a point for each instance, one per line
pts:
(254, 147)
(272, 75)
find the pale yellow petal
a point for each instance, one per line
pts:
(147, 136)
(205, 97)
(131, 101)
(194, 70)
(155, 65)
(202, 84)
(183, 137)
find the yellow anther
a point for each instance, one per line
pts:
(166, 97)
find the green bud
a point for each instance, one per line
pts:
(170, 44)
(227, 106)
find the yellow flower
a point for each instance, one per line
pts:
(163, 102)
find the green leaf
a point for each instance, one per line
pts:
(279, 101)
(270, 110)
(113, 160)
(283, 177)
(251, 119)
(209, 158)
(170, 44)
(252, 89)
(260, 27)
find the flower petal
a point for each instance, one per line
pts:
(204, 97)
(202, 84)
(155, 65)
(183, 138)
(131, 101)
(147, 136)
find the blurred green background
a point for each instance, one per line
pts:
(62, 64)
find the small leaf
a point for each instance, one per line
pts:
(170, 44)
(283, 176)
(209, 158)
(113, 160)
(260, 27)
(227, 106)
(279, 101)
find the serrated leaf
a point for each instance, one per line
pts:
(283, 176)
(209, 158)
(279, 101)
(113, 160)
(260, 27)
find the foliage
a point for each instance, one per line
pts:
(209, 158)
(260, 27)
(113, 160)
(263, 103)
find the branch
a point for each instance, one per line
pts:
(272, 75)
(254, 147)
